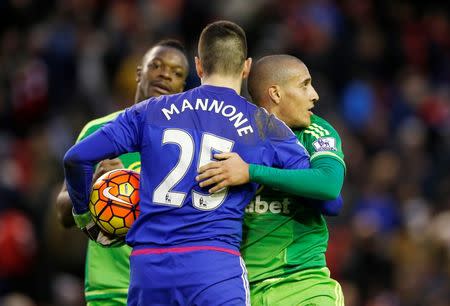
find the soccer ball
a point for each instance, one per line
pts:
(114, 201)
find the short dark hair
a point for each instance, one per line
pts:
(222, 48)
(171, 43)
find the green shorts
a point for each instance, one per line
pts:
(113, 301)
(312, 287)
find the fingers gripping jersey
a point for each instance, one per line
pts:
(176, 135)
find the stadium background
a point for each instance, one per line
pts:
(381, 68)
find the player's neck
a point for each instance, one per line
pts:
(139, 96)
(223, 81)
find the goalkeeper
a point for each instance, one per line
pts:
(286, 237)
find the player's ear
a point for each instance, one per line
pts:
(198, 67)
(138, 73)
(274, 94)
(247, 68)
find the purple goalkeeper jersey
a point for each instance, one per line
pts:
(176, 135)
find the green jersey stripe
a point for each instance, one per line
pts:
(321, 128)
(317, 130)
(339, 295)
(328, 153)
(312, 133)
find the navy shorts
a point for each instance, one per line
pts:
(188, 276)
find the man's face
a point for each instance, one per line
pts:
(298, 97)
(163, 71)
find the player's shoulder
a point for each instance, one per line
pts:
(142, 108)
(321, 139)
(142, 105)
(269, 126)
(160, 101)
(95, 124)
(320, 127)
(321, 122)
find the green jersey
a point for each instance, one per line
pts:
(281, 234)
(107, 272)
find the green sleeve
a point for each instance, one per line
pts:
(322, 181)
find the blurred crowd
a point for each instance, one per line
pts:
(381, 68)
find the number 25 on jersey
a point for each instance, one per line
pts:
(164, 193)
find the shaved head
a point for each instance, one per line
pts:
(282, 85)
(270, 70)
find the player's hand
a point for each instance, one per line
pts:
(93, 231)
(229, 170)
(107, 165)
(107, 241)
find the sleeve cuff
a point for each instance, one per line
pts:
(82, 220)
(251, 171)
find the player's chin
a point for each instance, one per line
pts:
(152, 93)
(157, 91)
(304, 122)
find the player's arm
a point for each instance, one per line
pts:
(79, 164)
(115, 138)
(64, 204)
(64, 208)
(231, 170)
(327, 207)
(322, 181)
(119, 136)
